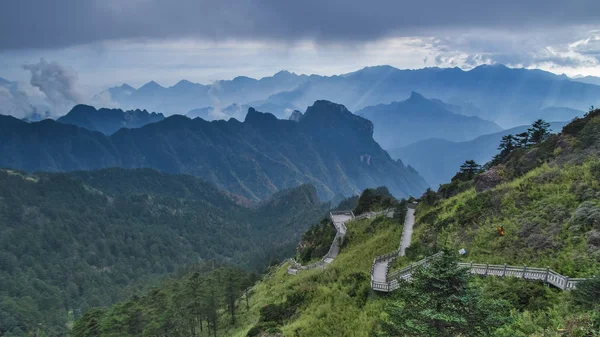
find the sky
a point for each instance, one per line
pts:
(69, 50)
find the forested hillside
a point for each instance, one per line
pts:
(70, 242)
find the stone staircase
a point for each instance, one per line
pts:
(339, 219)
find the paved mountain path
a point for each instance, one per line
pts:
(409, 223)
(381, 266)
(339, 219)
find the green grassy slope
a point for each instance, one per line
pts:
(548, 216)
(336, 300)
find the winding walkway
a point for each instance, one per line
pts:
(339, 219)
(381, 264)
(384, 281)
(545, 275)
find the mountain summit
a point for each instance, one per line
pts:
(417, 118)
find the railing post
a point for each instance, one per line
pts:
(487, 266)
(504, 271)
(566, 285)
(524, 271)
(547, 273)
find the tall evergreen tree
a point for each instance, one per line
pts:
(507, 145)
(437, 302)
(522, 139)
(468, 170)
(539, 131)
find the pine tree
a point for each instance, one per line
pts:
(232, 285)
(438, 302)
(522, 139)
(539, 131)
(468, 170)
(507, 145)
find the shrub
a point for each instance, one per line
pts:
(274, 313)
(590, 134)
(587, 294)
(585, 217)
(270, 327)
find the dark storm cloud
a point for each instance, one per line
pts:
(60, 23)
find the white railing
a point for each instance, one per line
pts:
(389, 258)
(369, 215)
(545, 275)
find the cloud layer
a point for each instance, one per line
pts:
(61, 23)
(58, 83)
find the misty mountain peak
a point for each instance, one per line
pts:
(127, 87)
(296, 116)
(284, 73)
(375, 71)
(183, 84)
(327, 106)
(152, 85)
(416, 97)
(255, 117)
(326, 114)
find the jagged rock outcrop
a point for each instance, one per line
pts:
(296, 116)
(489, 179)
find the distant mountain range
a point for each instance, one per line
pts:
(497, 93)
(108, 121)
(417, 118)
(507, 96)
(329, 147)
(185, 95)
(438, 160)
(587, 79)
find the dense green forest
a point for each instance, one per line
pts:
(70, 242)
(545, 195)
(187, 306)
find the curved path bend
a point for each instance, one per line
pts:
(339, 219)
(381, 264)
